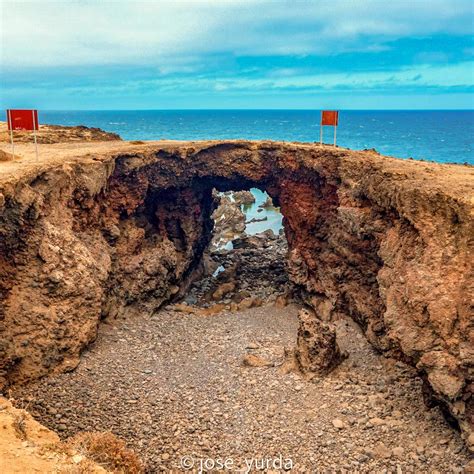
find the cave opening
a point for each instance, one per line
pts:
(244, 264)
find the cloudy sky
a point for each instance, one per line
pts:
(349, 54)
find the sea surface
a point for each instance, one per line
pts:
(254, 211)
(442, 136)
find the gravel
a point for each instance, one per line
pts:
(175, 385)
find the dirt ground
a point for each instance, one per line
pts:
(28, 447)
(183, 389)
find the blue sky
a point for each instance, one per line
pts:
(348, 54)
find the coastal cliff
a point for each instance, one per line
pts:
(90, 234)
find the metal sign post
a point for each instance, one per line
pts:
(9, 120)
(36, 142)
(331, 118)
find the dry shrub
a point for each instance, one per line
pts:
(19, 425)
(4, 156)
(137, 142)
(108, 451)
(84, 467)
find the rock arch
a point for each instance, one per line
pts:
(383, 240)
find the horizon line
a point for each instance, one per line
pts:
(256, 109)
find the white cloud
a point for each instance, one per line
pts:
(171, 35)
(421, 77)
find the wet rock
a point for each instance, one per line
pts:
(268, 204)
(243, 197)
(256, 219)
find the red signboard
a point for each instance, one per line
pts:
(22, 119)
(329, 117)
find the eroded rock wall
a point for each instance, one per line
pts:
(386, 241)
(80, 244)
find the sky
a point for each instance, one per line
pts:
(250, 54)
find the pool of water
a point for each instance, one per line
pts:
(273, 215)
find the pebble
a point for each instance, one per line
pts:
(339, 424)
(398, 451)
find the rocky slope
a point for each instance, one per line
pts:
(26, 446)
(58, 134)
(98, 232)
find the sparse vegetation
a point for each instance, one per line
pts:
(19, 424)
(108, 451)
(84, 467)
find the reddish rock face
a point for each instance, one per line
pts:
(383, 240)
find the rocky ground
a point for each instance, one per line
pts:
(254, 271)
(58, 134)
(176, 385)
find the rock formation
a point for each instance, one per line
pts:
(244, 197)
(229, 221)
(317, 351)
(58, 134)
(254, 270)
(384, 240)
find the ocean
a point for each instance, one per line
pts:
(442, 136)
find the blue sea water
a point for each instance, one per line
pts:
(273, 215)
(442, 136)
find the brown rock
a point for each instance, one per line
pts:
(244, 197)
(398, 451)
(316, 351)
(381, 451)
(337, 423)
(252, 360)
(59, 134)
(386, 241)
(214, 309)
(184, 308)
(469, 468)
(281, 301)
(223, 290)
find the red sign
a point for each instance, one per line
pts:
(329, 117)
(22, 119)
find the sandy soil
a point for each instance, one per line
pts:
(28, 447)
